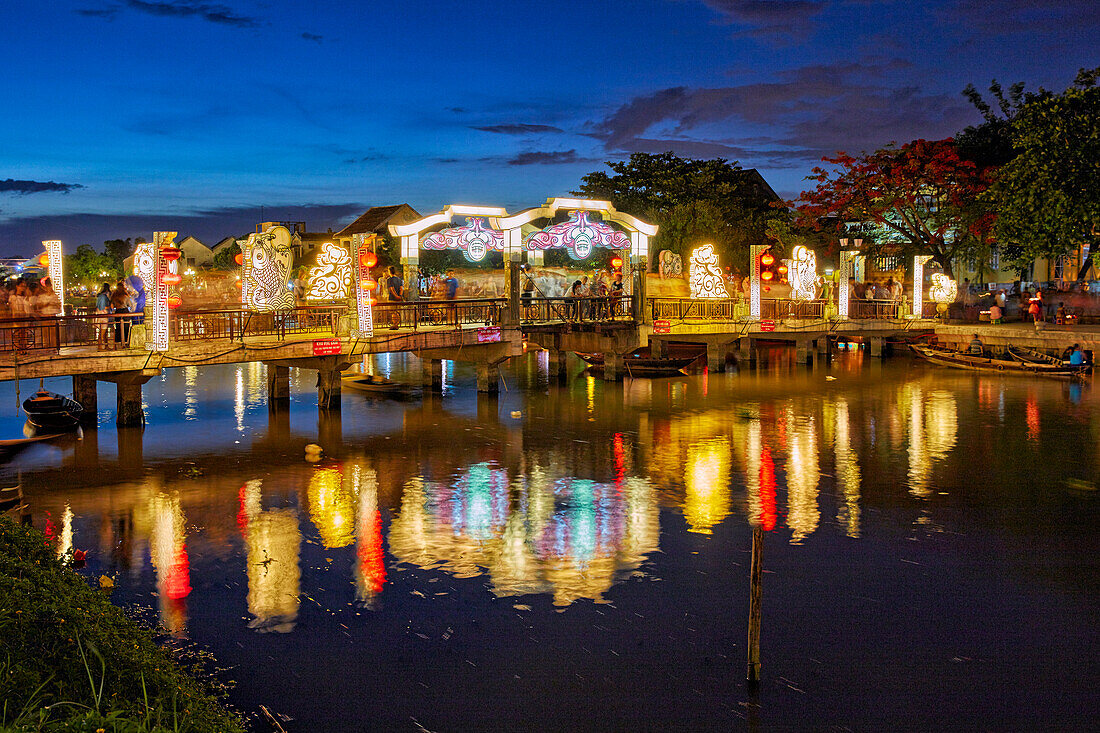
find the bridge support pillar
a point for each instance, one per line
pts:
(432, 374)
(823, 345)
(874, 347)
(278, 387)
(716, 356)
(488, 378)
(328, 389)
(612, 366)
(84, 392)
(746, 350)
(556, 361)
(803, 354)
(129, 414)
(658, 348)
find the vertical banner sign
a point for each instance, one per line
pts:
(159, 340)
(847, 271)
(918, 284)
(56, 269)
(362, 246)
(754, 283)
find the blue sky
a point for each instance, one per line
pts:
(126, 116)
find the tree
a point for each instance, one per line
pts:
(1048, 195)
(692, 201)
(226, 257)
(88, 266)
(990, 143)
(119, 249)
(920, 197)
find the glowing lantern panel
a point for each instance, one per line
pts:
(705, 278)
(328, 280)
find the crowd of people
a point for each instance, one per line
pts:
(29, 298)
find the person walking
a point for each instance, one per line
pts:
(102, 308)
(395, 288)
(120, 303)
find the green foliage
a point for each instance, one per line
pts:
(692, 201)
(117, 250)
(226, 257)
(87, 266)
(1048, 195)
(70, 660)
(990, 143)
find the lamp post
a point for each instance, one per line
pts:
(847, 271)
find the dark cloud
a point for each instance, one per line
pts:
(25, 187)
(368, 158)
(313, 37)
(556, 157)
(809, 112)
(770, 19)
(520, 128)
(1006, 17)
(209, 225)
(211, 12)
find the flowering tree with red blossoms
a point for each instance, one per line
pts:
(923, 196)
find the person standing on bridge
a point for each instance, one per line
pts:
(120, 303)
(395, 288)
(102, 308)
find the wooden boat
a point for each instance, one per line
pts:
(8, 448)
(962, 360)
(639, 365)
(380, 386)
(1034, 356)
(50, 411)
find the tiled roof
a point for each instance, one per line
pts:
(373, 220)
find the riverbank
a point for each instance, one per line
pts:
(74, 661)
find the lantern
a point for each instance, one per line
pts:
(369, 259)
(766, 259)
(44, 260)
(616, 262)
(174, 301)
(171, 254)
(239, 259)
(171, 278)
(240, 285)
(782, 269)
(766, 275)
(368, 284)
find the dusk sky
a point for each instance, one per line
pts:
(125, 116)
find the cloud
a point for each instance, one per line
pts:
(558, 157)
(368, 158)
(26, 187)
(210, 12)
(1007, 17)
(770, 19)
(808, 112)
(208, 225)
(517, 128)
(313, 37)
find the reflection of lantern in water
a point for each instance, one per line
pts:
(802, 478)
(941, 423)
(332, 508)
(274, 578)
(847, 472)
(919, 464)
(370, 569)
(167, 545)
(707, 497)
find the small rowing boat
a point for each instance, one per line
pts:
(380, 386)
(1034, 356)
(8, 448)
(50, 411)
(974, 362)
(637, 365)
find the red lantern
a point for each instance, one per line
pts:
(782, 269)
(170, 253)
(767, 288)
(239, 259)
(44, 259)
(616, 261)
(240, 285)
(369, 259)
(171, 278)
(174, 301)
(766, 259)
(368, 284)
(766, 275)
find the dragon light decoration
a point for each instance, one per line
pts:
(705, 279)
(475, 239)
(266, 270)
(943, 289)
(579, 236)
(330, 277)
(803, 273)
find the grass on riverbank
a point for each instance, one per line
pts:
(72, 661)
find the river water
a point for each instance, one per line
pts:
(574, 556)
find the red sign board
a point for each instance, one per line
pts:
(662, 327)
(767, 325)
(488, 335)
(327, 347)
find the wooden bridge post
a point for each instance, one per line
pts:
(488, 378)
(612, 366)
(746, 350)
(874, 347)
(84, 392)
(129, 413)
(328, 389)
(822, 343)
(278, 387)
(432, 374)
(802, 352)
(556, 361)
(756, 574)
(716, 356)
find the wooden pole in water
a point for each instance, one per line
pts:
(756, 573)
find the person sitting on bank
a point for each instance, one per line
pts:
(977, 348)
(1077, 357)
(995, 313)
(1060, 314)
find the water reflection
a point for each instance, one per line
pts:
(802, 475)
(536, 533)
(847, 472)
(168, 553)
(274, 578)
(707, 497)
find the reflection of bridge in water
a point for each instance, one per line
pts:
(484, 332)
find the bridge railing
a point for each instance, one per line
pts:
(732, 309)
(109, 331)
(881, 309)
(577, 310)
(419, 314)
(237, 324)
